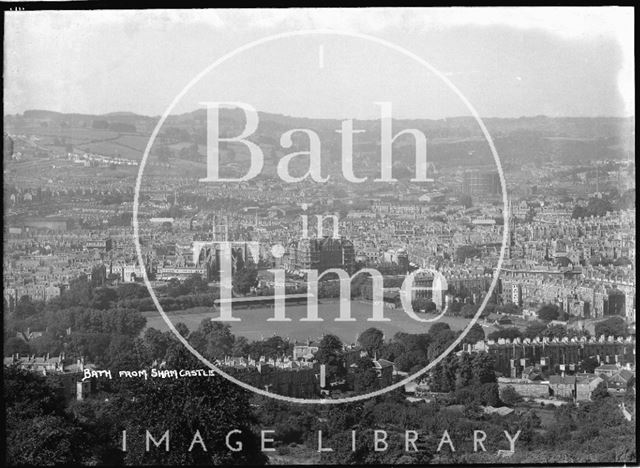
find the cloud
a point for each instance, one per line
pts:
(128, 19)
(569, 22)
(47, 42)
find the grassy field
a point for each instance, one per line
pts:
(254, 325)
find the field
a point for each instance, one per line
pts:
(254, 325)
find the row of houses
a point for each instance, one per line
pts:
(68, 373)
(577, 387)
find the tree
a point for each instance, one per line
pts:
(476, 333)
(469, 310)
(245, 278)
(438, 327)
(600, 392)
(47, 343)
(411, 342)
(195, 284)
(466, 251)
(365, 377)
(79, 293)
(371, 340)
(411, 359)
(548, 312)
(442, 378)
(213, 406)
(328, 349)
(529, 422)
(613, 326)
(509, 308)
(182, 329)
(126, 353)
(25, 307)
(38, 431)
(464, 370)
(598, 206)
(272, 347)
(240, 346)
(157, 343)
(440, 343)
(131, 291)
(595, 207)
(103, 297)
(589, 365)
(175, 288)
(213, 339)
(44, 440)
(509, 396)
(489, 394)
(579, 212)
(557, 331)
(390, 351)
(14, 345)
(424, 304)
(534, 329)
(483, 369)
(98, 275)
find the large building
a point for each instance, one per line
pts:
(322, 254)
(398, 257)
(180, 273)
(102, 245)
(615, 303)
(210, 259)
(50, 223)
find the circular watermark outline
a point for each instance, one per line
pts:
(392, 46)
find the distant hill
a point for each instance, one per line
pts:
(564, 127)
(451, 140)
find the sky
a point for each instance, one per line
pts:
(506, 62)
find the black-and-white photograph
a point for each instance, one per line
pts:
(319, 236)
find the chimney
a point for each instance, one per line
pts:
(323, 375)
(79, 391)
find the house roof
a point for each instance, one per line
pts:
(588, 379)
(607, 367)
(622, 374)
(383, 363)
(558, 379)
(410, 387)
(502, 411)
(627, 374)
